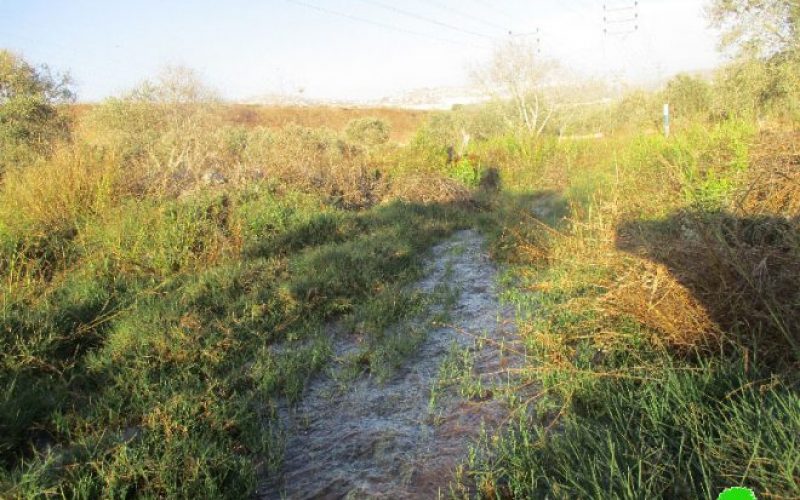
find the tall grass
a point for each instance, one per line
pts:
(167, 278)
(655, 284)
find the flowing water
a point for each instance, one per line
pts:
(392, 439)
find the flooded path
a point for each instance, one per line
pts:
(404, 437)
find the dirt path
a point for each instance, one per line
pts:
(403, 438)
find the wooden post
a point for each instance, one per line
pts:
(666, 119)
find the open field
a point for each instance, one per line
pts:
(403, 123)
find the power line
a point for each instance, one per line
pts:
(379, 24)
(494, 8)
(468, 16)
(617, 20)
(412, 15)
(622, 8)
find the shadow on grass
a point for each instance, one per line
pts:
(337, 257)
(743, 270)
(189, 351)
(703, 424)
(547, 206)
(521, 225)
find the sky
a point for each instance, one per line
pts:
(350, 50)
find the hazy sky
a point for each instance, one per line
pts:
(346, 49)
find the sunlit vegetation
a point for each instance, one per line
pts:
(169, 264)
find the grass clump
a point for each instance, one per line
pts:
(687, 431)
(368, 131)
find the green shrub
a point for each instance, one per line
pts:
(466, 173)
(688, 96)
(638, 110)
(30, 120)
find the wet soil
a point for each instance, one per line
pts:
(392, 438)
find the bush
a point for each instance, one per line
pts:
(30, 121)
(756, 89)
(688, 96)
(318, 161)
(638, 110)
(165, 132)
(368, 131)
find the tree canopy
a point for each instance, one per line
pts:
(516, 72)
(29, 119)
(758, 28)
(18, 78)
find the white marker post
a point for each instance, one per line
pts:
(666, 120)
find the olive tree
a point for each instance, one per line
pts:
(759, 28)
(764, 35)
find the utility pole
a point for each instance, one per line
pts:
(621, 20)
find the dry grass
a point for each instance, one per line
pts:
(773, 184)
(404, 122)
(650, 293)
(428, 188)
(734, 270)
(176, 150)
(51, 196)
